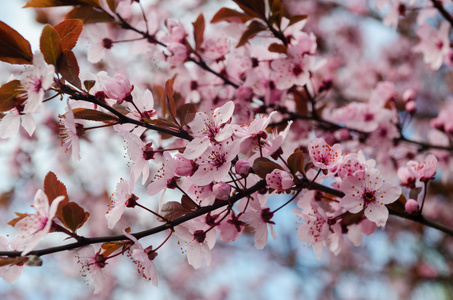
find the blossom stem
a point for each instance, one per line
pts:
(166, 239)
(424, 196)
(153, 212)
(289, 201)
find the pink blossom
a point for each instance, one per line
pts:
(293, 70)
(36, 82)
(11, 273)
(215, 162)
(279, 180)
(123, 198)
(92, 264)
(259, 220)
(70, 132)
(217, 47)
(242, 167)
(176, 31)
(324, 156)
(143, 258)
(11, 122)
(434, 44)
(423, 170)
(139, 153)
(178, 54)
(118, 88)
(366, 190)
(406, 177)
(35, 227)
(102, 42)
(199, 242)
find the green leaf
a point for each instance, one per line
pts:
(229, 15)
(9, 93)
(14, 48)
(50, 45)
(253, 29)
(198, 31)
(74, 216)
(93, 115)
(263, 166)
(69, 32)
(69, 68)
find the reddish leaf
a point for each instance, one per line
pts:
(162, 123)
(73, 216)
(111, 247)
(9, 93)
(279, 48)
(253, 29)
(173, 210)
(253, 8)
(14, 48)
(198, 31)
(296, 161)
(160, 98)
(229, 15)
(69, 32)
(6, 198)
(186, 113)
(15, 220)
(296, 18)
(52, 3)
(93, 115)
(169, 92)
(88, 14)
(188, 203)
(277, 12)
(54, 188)
(88, 84)
(50, 45)
(69, 68)
(263, 166)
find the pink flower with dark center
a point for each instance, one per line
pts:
(366, 190)
(92, 264)
(434, 44)
(70, 132)
(123, 198)
(423, 170)
(323, 155)
(35, 227)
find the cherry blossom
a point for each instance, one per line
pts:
(198, 242)
(91, 265)
(70, 132)
(411, 206)
(11, 273)
(36, 82)
(423, 170)
(325, 156)
(118, 88)
(11, 122)
(368, 191)
(143, 258)
(434, 44)
(35, 227)
(259, 220)
(279, 180)
(123, 198)
(292, 70)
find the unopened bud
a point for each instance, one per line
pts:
(242, 168)
(411, 206)
(221, 190)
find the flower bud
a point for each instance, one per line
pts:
(221, 190)
(242, 167)
(408, 95)
(410, 107)
(118, 88)
(411, 206)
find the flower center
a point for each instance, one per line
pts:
(369, 196)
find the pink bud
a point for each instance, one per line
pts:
(408, 95)
(448, 127)
(242, 167)
(185, 167)
(410, 107)
(411, 206)
(437, 124)
(118, 88)
(221, 190)
(342, 134)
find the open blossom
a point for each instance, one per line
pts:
(34, 227)
(423, 170)
(11, 122)
(323, 155)
(143, 258)
(92, 264)
(36, 81)
(123, 198)
(11, 273)
(70, 132)
(366, 190)
(434, 44)
(259, 220)
(293, 70)
(199, 242)
(279, 180)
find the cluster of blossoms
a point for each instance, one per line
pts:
(242, 129)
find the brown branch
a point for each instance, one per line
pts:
(438, 5)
